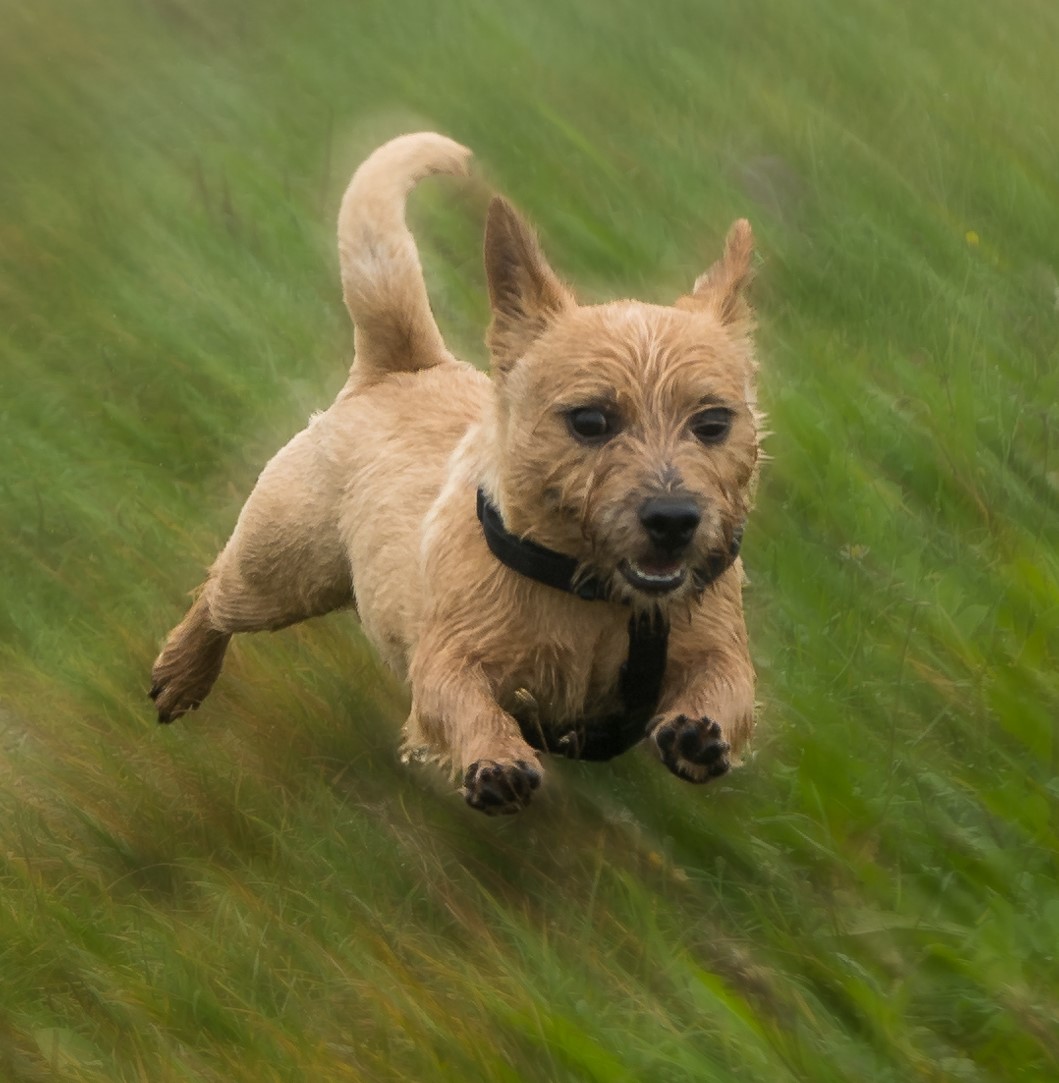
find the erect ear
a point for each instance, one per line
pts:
(722, 289)
(525, 292)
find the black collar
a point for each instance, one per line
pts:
(560, 571)
(532, 560)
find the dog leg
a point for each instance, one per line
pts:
(455, 713)
(708, 705)
(284, 563)
(190, 662)
(191, 659)
(696, 732)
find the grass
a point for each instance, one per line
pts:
(262, 892)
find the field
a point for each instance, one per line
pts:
(262, 892)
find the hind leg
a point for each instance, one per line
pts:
(284, 563)
(190, 662)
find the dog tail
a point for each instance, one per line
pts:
(382, 280)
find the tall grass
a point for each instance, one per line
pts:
(262, 892)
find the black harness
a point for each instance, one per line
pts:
(640, 683)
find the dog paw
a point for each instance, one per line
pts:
(500, 788)
(177, 689)
(185, 671)
(694, 749)
(172, 702)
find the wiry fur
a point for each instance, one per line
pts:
(376, 497)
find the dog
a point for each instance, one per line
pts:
(549, 557)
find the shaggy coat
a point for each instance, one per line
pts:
(373, 504)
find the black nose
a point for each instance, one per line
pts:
(670, 521)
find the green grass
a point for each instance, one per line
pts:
(262, 892)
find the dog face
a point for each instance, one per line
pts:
(626, 434)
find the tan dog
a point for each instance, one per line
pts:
(615, 447)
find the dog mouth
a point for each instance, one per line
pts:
(654, 577)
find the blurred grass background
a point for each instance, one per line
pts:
(261, 892)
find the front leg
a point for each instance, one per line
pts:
(707, 710)
(455, 716)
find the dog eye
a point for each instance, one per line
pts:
(590, 423)
(711, 426)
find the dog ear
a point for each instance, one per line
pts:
(722, 289)
(524, 291)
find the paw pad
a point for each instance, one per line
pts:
(500, 788)
(694, 749)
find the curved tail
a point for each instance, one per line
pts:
(382, 280)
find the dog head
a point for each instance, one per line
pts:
(626, 434)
